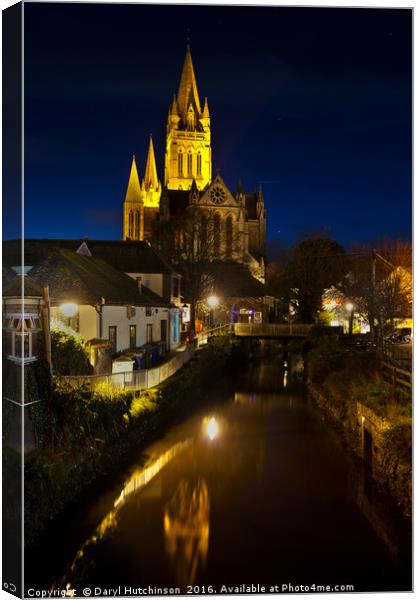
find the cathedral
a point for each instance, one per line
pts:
(237, 220)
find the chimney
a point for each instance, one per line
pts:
(140, 285)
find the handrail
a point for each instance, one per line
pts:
(134, 380)
(272, 329)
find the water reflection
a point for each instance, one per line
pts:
(264, 472)
(186, 530)
(211, 427)
(138, 480)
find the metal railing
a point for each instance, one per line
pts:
(203, 336)
(271, 329)
(132, 380)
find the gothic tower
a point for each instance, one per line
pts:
(133, 207)
(142, 200)
(188, 136)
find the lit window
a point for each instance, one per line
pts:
(21, 336)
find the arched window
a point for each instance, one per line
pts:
(217, 235)
(190, 119)
(130, 224)
(198, 164)
(189, 164)
(180, 164)
(229, 236)
(137, 225)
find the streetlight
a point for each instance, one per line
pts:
(69, 309)
(213, 303)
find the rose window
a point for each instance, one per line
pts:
(217, 194)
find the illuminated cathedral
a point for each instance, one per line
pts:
(238, 219)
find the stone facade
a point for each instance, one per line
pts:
(237, 219)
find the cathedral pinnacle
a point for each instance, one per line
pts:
(205, 112)
(134, 188)
(150, 175)
(188, 90)
(174, 109)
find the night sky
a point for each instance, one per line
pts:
(314, 103)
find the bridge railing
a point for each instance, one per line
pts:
(272, 329)
(203, 336)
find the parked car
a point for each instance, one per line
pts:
(399, 336)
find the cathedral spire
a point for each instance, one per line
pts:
(150, 175)
(188, 90)
(134, 188)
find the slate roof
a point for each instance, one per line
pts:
(234, 280)
(178, 201)
(127, 256)
(14, 288)
(86, 279)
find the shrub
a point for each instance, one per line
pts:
(69, 356)
(397, 440)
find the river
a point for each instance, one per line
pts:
(254, 489)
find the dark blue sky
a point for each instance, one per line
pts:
(313, 103)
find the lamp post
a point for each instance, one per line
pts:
(350, 308)
(213, 303)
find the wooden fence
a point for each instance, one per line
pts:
(397, 376)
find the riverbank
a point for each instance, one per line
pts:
(373, 418)
(91, 435)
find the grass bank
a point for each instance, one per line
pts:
(373, 417)
(81, 436)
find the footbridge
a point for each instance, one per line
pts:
(272, 330)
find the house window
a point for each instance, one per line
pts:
(198, 164)
(148, 311)
(149, 333)
(132, 337)
(189, 164)
(112, 337)
(180, 164)
(175, 287)
(22, 336)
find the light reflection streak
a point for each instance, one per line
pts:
(138, 480)
(186, 529)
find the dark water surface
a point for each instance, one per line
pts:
(255, 489)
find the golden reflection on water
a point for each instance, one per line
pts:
(186, 529)
(138, 480)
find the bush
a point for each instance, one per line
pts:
(324, 359)
(397, 440)
(69, 356)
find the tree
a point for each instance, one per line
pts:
(379, 282)
(315, 264)
(191, 242)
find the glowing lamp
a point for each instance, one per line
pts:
(69, 309)
(349, 306)
(212, 301)
(212, 428)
